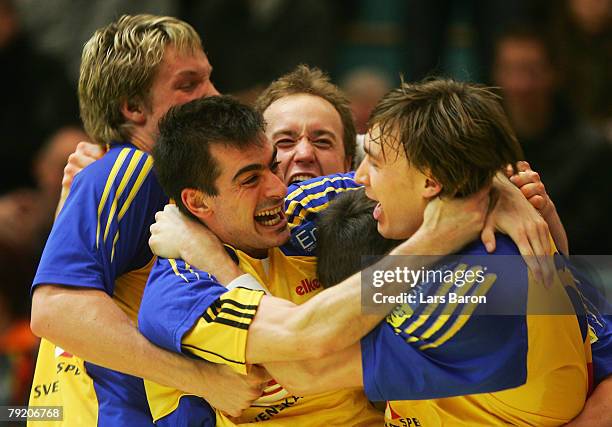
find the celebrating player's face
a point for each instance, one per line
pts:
(180, 78)
(248, 212)
(396, 186)
(308, 132)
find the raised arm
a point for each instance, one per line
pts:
(331, 320)
(532, 187)
(101, 333)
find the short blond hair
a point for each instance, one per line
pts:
(119, 63)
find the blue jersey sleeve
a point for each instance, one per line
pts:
(175, 298)
(191, 411)
(598, 312)
(435, 348)
(305, 201)
(103, 228)
(601, 346)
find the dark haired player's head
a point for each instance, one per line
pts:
(348, 239)
(430, 139)
(213, 159)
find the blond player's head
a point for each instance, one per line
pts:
(119, 65)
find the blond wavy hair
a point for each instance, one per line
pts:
(119, 64)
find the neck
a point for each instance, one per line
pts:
(142, 140)
(256, 253)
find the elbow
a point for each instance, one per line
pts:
(42, 319)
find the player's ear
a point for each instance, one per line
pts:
(133, 111)
(432, 187)
(196, 202)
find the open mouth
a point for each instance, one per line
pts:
(270, 217)
(300, 178)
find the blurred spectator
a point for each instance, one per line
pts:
(454, 37)
(572, 158)
(252, 42)
(364, 87)
(37, 99)
(26, 217)
(17, 354)
(582, 34)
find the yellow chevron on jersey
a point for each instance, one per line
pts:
(291, 278)
(99, 241)
(555, 364)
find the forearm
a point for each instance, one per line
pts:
(333, 372)
(556, 228)
(333, 319)
(597, 409)
(89, 324)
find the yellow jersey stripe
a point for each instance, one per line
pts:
(176, 270)
(443, 290)
(301, 188)
(114, 244)
(109, 182)
(447, 312)
(188, 267)
(124, 181)
(141, 177)
(465, 315)
(298, 219)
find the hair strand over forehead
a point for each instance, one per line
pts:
(119, 63)
(457, 132)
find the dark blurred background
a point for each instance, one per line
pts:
(551, 59)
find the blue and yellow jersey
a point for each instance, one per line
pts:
(306, 200)
(100, 241)
(499, 361)
(598, 311)
(186, 310)
(427, 356)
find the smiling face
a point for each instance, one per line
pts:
(400, 189)
(247, 211)
(308, 134)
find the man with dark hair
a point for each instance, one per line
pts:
(87, 289)
(347, 234)
(445, 361)
(185, 309)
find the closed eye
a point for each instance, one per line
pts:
(251, 180)
(284, 143)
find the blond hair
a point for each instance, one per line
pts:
(119, 64)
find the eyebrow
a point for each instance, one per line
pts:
(294, 134)
(190, 73)
(368, 152)
(254, 167)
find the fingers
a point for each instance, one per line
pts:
(533, 189)
(522, 166)
(525, 177)
(88, 149)
(259, 375)
(488, 236)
